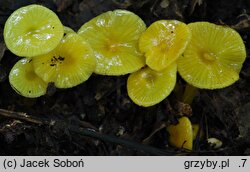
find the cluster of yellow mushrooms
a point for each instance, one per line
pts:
(206, 55)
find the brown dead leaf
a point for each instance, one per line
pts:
(183, 109)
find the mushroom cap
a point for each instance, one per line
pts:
(69, 64)
(163, 42)
(32, 30)
(114, 37)
(24, 81)
(213, 58)
(147, 87)
(67, 30)
(181, 135)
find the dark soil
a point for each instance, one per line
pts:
(98, 118)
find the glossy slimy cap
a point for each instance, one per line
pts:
(32, 30)
(163, 42)
(24, 80)
(114, 38)
(67, 30)
(181, 135)
(147, 87)
(214, 56)
(69, 64)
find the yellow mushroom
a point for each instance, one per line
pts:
(163, 42)
(24, 81)
(147, 87)
(197, 129)
(32, 30)
(67, 30)
(189, 94)
(114, 37)
(69, 64)
(181, 135)
(213, 58)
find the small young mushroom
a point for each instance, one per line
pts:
(32, 30)
(213, 58)
(181, 135)
(147, 87)
(163, 42)
(24, 81)
(114, 37)
(69, 64)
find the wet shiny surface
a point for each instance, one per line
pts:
(24, 80)
(114, 38)
(163, 42)
(70, 64)
(32, 30)
(147, 87)
(213, 58)
(181, 135)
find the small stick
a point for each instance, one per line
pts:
(119, 141)
(20, 116)
(91, 133)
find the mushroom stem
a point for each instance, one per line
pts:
(178, 91)
(189, 94)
